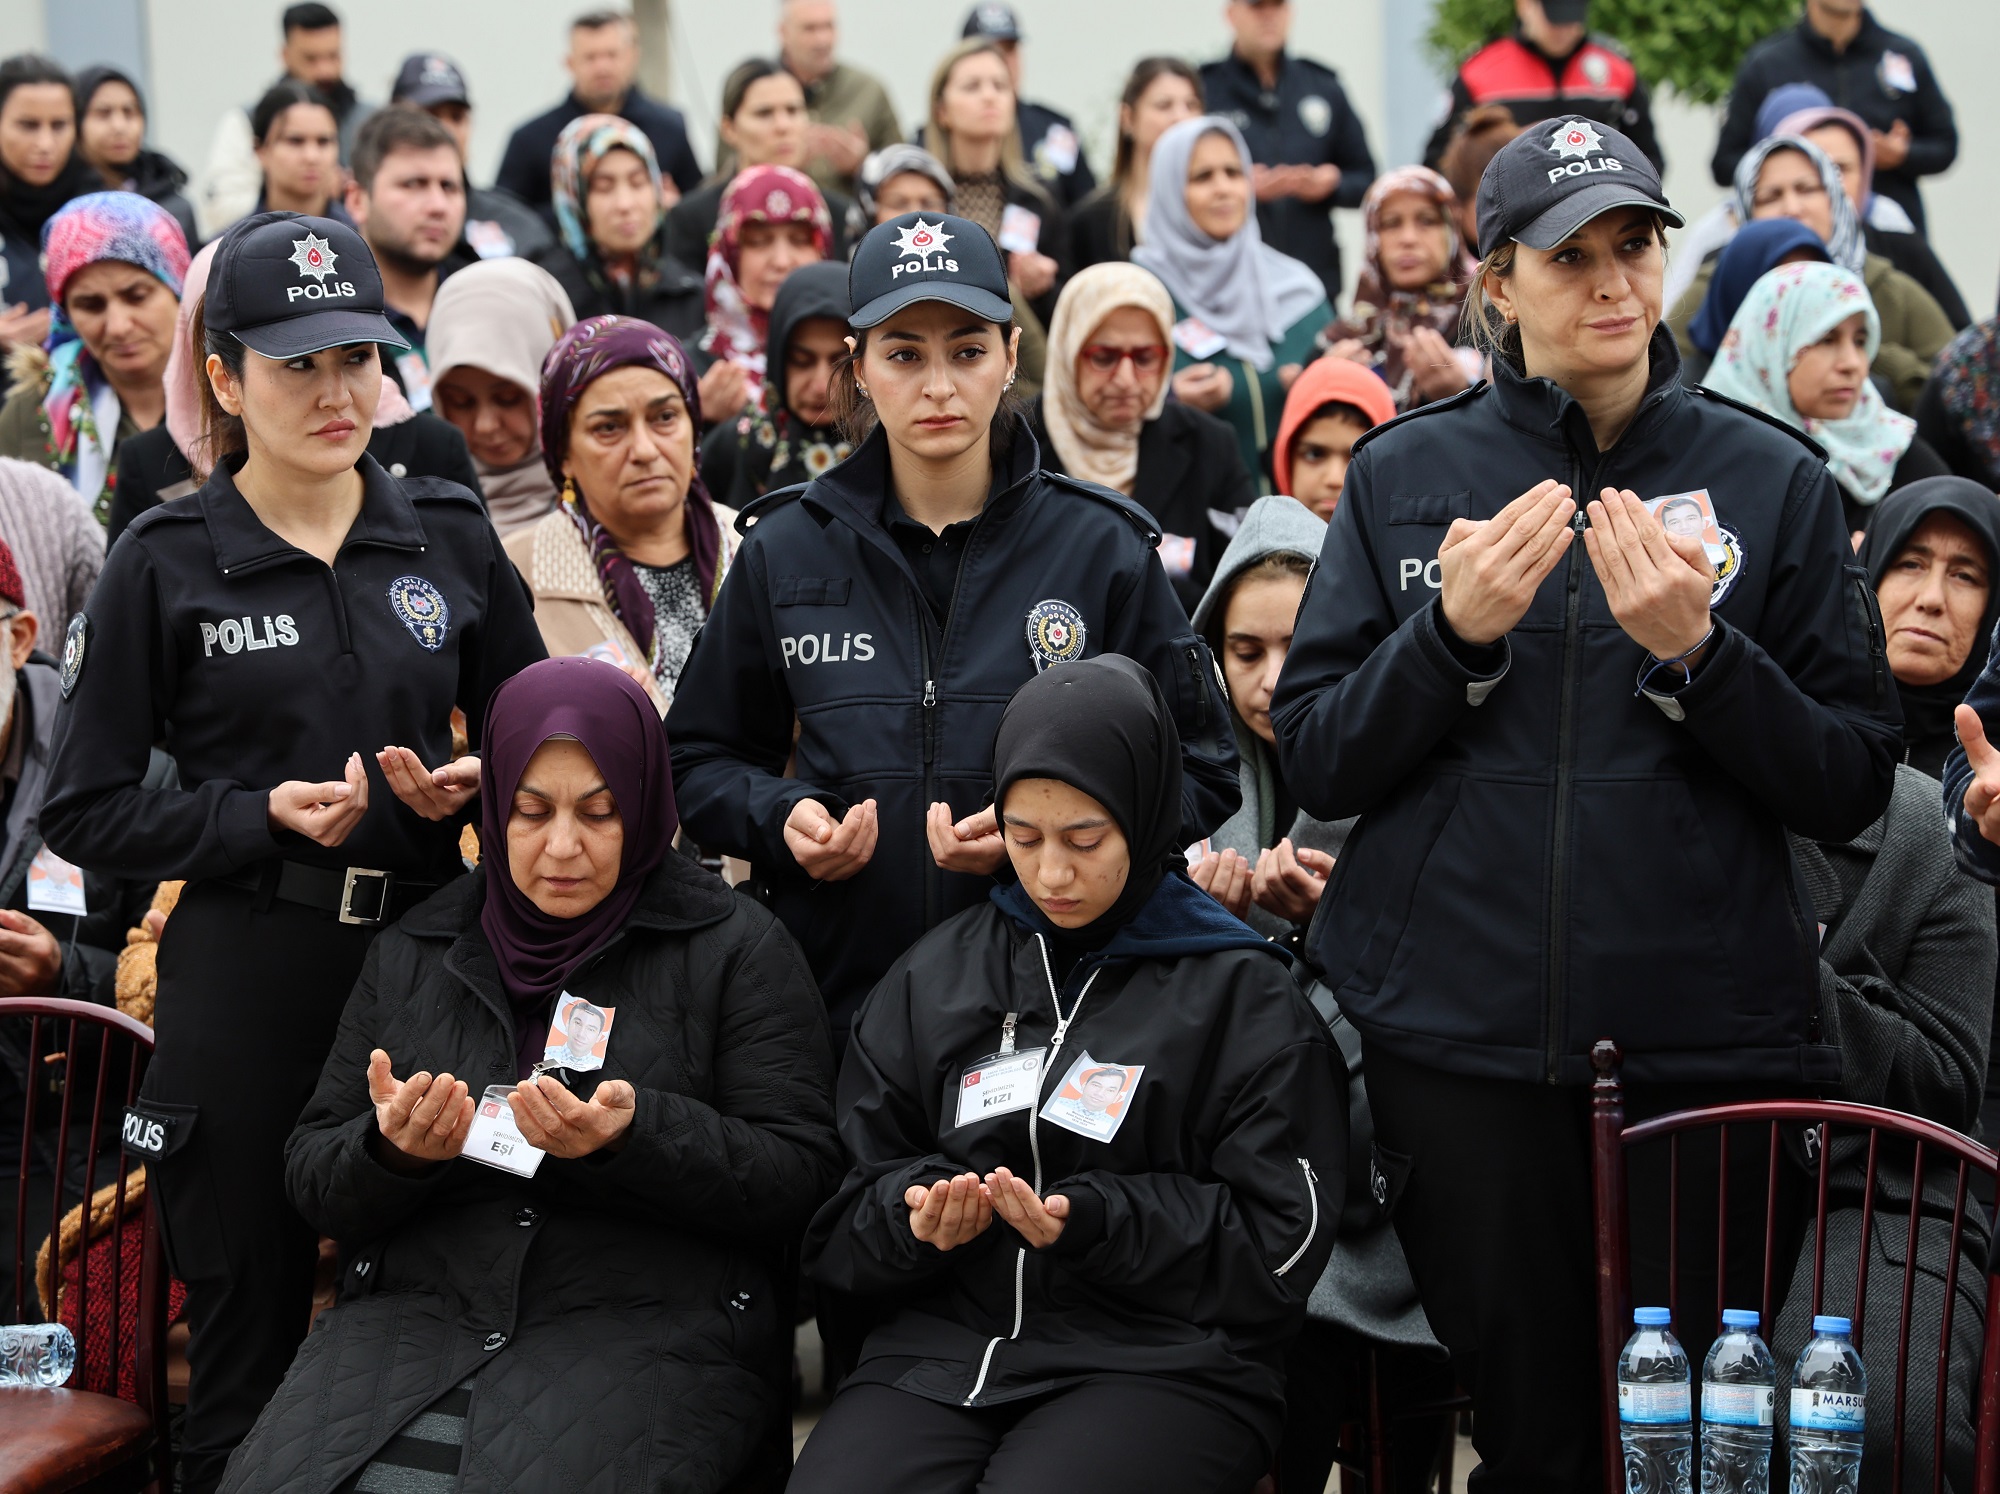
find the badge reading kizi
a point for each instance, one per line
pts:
(999, 1085)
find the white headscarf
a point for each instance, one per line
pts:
(1095, 452)
(1241, 288)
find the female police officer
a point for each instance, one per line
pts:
(894, 604)
(297, 633)
(1576, 743)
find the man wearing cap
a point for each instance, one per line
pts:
(498, 225)
(1579, 743)
(603, 64)
(1552, 65)
(1049, 141)
(297, 634)
(1310, 152)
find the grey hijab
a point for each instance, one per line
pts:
(1240, 287)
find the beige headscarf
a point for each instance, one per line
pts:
(1086, 449)
(503, 316)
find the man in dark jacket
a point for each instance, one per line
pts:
(1310, 151)
(1049, 142)
(603, 61)
(1863, 66)
(1552, 65)
(497, 224)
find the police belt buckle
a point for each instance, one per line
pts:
(376, 888)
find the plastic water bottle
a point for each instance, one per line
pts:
(1738, 1400)
(1829, 1406)
(41, 1354)
(1653, 1402)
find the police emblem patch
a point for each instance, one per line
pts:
(314, 256)
(1575, 139)
(72, 656)
(422, 608)
(1728, 568)
(1055, 634)
(1316, 114)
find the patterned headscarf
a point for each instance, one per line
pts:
(581, 356)
(759, 194)
(582, 144)
(1786, 312)
(1381, 318)
(1968, 377)
(89, 230)
(1846, 247)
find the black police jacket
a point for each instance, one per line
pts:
(1305, 121)
(1545, 856)
(255, 663)
(821, 622)
(1196, 1229)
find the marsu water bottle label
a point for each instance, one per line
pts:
(1652, 1405)
(1829, 1410)
(1738, 1405)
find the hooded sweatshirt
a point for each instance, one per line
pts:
(1274, 526)
(1323, 382)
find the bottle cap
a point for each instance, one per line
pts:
(1652, 1317)
(1740, 1317)
(1833, 1325)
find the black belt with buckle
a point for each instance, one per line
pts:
(356, 894)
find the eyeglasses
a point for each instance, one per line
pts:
(1106, 359)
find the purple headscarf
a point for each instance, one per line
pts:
(607, 711)
(581, 356)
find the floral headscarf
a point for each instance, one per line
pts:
(1846, 246)
(1968, 380)
(1381, 318)
(581, 356)
(582, 144)
(82, 410)
(1786, 312)
(761, 194)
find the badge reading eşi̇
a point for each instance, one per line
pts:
(422, 608)
(314, 256)
(1055, 634)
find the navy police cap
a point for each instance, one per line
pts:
(927, 257)
(1554, 177)
(286, 285)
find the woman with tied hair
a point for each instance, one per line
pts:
(611, 256)
(1408, 301)
(1799, 350)
(627, 566)
(1246, 314)
(115, 263)
(1159, 94)
(772, 221)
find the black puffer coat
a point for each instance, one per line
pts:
(616, 1311)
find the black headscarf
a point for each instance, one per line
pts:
(1928, 734)
(1101, 726)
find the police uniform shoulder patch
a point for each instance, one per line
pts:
(422, 608)
(74, 642)
(1056, 633)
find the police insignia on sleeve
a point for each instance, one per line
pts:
(422, 608)
(72, 655)
(1055, 633)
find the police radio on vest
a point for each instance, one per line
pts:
(1585, 168)
(316, 290)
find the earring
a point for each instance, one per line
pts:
(859, 390)
(1009, 384)
(569, 492)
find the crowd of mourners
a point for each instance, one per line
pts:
(896, 734)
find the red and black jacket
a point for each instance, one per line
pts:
(1596, 81)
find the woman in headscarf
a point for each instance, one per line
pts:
(39, 172)
(1414, 274)
(1799, 350)
(1960, 411)
(1789, 177)
(1245, 314)
(111, 136)
(623, 1229)
(628, 564)
(1104, 416)
(1756, 251)
(611, 258)
(115, 265)
(790, 436)
(1091, 1228)
(491, 326)
(771, 222)
(160, 464)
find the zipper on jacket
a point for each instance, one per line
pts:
(1312, 1227)
(1035, 1147)
(1554, 1004)
(933, 873)
(1199, 685)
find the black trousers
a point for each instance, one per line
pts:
(249, 997)
(1113, 1432)
(1490, 1193)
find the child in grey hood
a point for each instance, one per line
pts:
(1269, 861)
